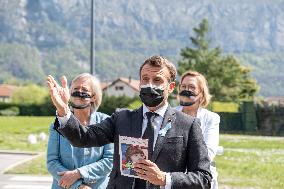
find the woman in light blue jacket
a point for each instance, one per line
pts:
(73, 167)
(194, 97)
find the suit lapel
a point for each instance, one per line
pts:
(169, 117)
(136, 123)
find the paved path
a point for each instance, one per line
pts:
(25, 182)
(9, 159)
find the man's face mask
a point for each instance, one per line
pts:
(190, 96)
(85, 99)
(151, 95)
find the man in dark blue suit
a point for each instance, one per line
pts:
(178, 157)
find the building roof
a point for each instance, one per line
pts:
(274, 99)
(134, 84)
(7, 90)
(104, 85)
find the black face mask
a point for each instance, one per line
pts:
(151, 96)
(82, 95)
(188, 94)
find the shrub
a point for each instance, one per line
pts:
(11, 111)
(111, 103)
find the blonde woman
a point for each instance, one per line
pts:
(73, 167)
(194, 97)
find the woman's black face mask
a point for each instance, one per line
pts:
(82, 95)
(190, 95)
(79, 94)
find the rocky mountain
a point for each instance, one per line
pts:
(40, 37)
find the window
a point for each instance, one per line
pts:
(118, 88)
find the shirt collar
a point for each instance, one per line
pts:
(161, 111)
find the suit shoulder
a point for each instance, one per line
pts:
(184, 118)
(182, 115)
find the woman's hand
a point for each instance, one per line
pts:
(68, 178)
(59, 95)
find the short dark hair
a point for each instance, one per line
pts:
(131, 150)
(159, 61)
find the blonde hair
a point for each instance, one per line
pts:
(95, 87)
(202, 84)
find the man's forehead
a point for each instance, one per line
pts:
(149, 70)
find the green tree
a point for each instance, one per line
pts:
(228, 80)
(111, 103)
(30, 94)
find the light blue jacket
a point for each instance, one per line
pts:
(93, 163)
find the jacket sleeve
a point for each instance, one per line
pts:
(94, 171)
(54, 164)
(198, 174)
(95, 135)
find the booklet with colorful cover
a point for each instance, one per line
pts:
(130, 150)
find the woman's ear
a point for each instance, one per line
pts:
(93, 99)
(200, 97)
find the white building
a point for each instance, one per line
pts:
(6, 92)
(274, 100)
(122, 86)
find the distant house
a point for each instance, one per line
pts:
(276, 100)
(122, 86)
(6, 92)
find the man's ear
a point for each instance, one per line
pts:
(172, 86)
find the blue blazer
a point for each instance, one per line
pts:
(93, 163)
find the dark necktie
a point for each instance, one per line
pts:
(148, 134)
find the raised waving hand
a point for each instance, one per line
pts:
(59, 94)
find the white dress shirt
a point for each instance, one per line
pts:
(157, 121)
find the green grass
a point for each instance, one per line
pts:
(251, 161)
(252, 142)
(14, 132)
